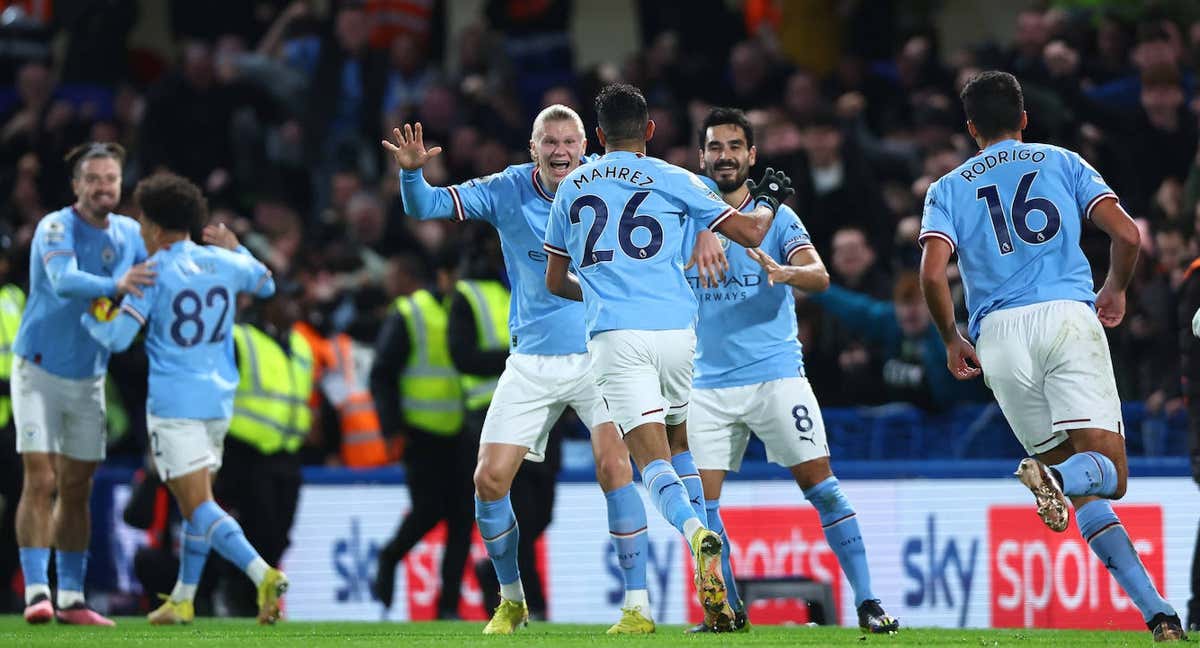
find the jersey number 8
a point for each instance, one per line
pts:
(630, 221)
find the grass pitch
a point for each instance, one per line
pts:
(131, 631)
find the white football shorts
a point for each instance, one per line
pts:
(1048, 365)
(58, 415)
(783, 413)
(182, 446)
(644, 376)
(531, 395)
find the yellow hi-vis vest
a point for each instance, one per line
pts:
(270, 408)
(489, 302)
(12, 303)
(430, 393)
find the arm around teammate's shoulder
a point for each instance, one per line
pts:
(54, 247)
(747, 228)
(750, 228)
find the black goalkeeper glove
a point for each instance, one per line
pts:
(774, 188)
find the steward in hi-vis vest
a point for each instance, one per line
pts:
(419, 396)
(259, 480)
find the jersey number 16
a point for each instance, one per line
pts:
(1022, 205)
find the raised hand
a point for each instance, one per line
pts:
(409, 149)
(774, 188)
(220, 236)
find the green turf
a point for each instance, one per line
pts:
(225, 632)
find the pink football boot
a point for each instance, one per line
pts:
(81, 614)
(39, 611)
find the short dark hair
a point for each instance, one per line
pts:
(993, 102)
(622, 113)
(721, 116)
(172, 202)
(91, 151)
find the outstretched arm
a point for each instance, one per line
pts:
(421, 200)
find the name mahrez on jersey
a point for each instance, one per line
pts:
(614, 172)
(992, 160)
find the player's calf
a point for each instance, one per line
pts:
(1109, 541)
(1098, 467)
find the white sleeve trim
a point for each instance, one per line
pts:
(936, 234)
(1087, 213)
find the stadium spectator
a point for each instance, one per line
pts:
(912, 356)
(343, 108)
(835, 188)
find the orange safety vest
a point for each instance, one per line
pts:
(347, 387)
(1192, 268)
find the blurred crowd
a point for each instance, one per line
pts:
(276, 110)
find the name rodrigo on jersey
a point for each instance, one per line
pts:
(991, 161)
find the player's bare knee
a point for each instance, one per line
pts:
(39, 485)
(74, 485)
(490, 485)
(677, 438)
(613, 471)
(812, 472)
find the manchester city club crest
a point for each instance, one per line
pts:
(108, 254)
(724, 241)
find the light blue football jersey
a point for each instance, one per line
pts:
(1014, 213)
(70, 264)
(620, 219)
(189, 314)
(747, 330)
(517, 205)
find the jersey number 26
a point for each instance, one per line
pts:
(630, 221)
